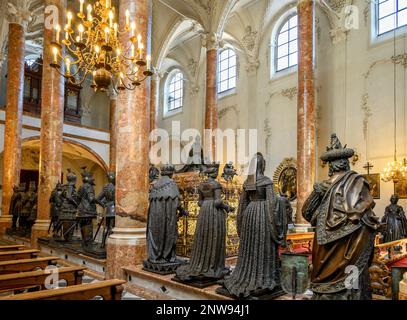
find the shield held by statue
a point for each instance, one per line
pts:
(294, 273)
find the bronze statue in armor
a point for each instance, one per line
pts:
(107, 200)
(341, 210)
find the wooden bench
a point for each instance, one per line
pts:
(108, 290)
(19, 254)
(24, 265)
(13, 247)
(17, 281)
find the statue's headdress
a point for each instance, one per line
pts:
(167, 170)
(211, 168)
(336, 151)
(71, 176)
(256, 168)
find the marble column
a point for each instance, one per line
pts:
(14, 116)
(211, 102)
(306, 135)
(127, 245)
(51, 142)
(155, 85)
(113, 131)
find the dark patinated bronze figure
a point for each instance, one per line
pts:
(262, 223)
(86, 208)
(207, 263)
(395, 221)
(107, 200)
(341, 210)
(28, 201)
(55, 206)
(229, 172)
(153, 174)
(66, 223)
(162, 229)
(15, 206)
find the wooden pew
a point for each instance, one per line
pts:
(24, 265)
(13, 247)
(19, 281)
(109, 290)
(19, 254)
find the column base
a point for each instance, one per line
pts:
(5, 223)
(125, 247)
(39, 230)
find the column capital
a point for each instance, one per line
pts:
(211, 41)
(19, 12)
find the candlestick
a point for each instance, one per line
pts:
(69, 16)
(68, 66)
(127, 18)
(55, 52)
(81, 29)
(81, 5)
(57, 33)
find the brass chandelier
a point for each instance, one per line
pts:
(95, 48)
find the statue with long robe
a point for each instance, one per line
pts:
(395, 221)
(207, 262)
(162, 225)
(341, 210)
(262, 223)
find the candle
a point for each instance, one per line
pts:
(81, 29)
(97, 49)
(78, 39)
(132, 51)
(139, 40)
(81, 5)
(58, 31)
(107, 3)
(66, 33)
(115, 29)
(118, 53)
(107, 33)
(111, 16)
(89, 9)
(68, 66)
(127, 18)
(141, 48)
(55, 52)
(69, 16)
(148, 62)
(133, 28)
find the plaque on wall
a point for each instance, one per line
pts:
(400, 189)
(374, 183)
(285, 179)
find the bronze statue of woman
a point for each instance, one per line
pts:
(207, 263)
(262, 223)
(395, 221)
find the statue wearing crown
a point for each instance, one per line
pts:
(162, 228)
(341, 210)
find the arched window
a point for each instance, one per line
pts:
(391, 14)
(227, 70)
(286, 55)
(175, 91)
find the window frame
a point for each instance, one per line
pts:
(219, 71)
(286, 19)
(395, 13)
(171, 75)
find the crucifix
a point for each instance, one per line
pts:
(368, 167)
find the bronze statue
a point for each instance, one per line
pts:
(33, 214)
(15, 206)
(207, 264)
(55, 206)
(86, 208)
(162, 228)
(153, 174)
(229, 172)
(395, 220)
(262, 223)
(107, 200)
(28, 200)
(341, 210)
(66, 224)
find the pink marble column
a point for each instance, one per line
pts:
(113, 131)
(306, 105)
(52, 115)
(127, 244)
(14, 116)
(211, 104)
(155, 84)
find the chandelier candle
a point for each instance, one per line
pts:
(97, 51)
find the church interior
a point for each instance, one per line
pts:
(203, 150)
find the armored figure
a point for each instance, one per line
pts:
(162, 228)
(55, 205)
(15, 206)
(262, 223)
(207, 263)
(28, 201)
(395, 220)
(107, 200)
(86, 208)
(229, 172)
(66, 224)
(33, 214)
(341, 210)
